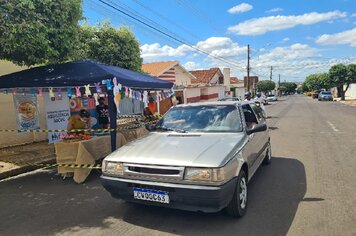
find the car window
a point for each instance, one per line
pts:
(258, 111)
(249, 115)
(205, 118)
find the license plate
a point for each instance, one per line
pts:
(151, 195)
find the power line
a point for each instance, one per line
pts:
(166, 34)
(198, 12)
(166, 19)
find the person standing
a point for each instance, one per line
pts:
(103, 114)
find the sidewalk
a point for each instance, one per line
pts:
(351, 102)
(15, 160)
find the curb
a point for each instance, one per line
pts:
(50, 159)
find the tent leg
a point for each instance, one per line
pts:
(113, 115)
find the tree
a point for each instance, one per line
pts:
(38, 31)
(265, 86)
(109, 45)
(341, 75)
(289, 86)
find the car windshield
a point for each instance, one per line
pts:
(270, 95)
(205, 118)
(229, 99)
(326, 93)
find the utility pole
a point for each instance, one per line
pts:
(248, 67)
(279, 84)
(270, 76)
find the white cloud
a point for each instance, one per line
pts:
(263, 25)
(353, 15)
(286, 39)
(345, 37)
(221, 47)
(155, 51)
(274, 10)
(291, 53)
(216, 46)
(191, 65)
(243, 7)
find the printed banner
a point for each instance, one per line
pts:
(57, 115)
(89, 104)
(27, 111)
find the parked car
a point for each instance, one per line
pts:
(315, 94)
(229, 99)
(325, 96)
(271, 98)
(198, 157)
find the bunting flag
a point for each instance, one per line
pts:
(98, 88)
(87, 90)
(119, 91)
(51, 93)
(77, 92)
(69, 92)
(108, 84)
(40, 92)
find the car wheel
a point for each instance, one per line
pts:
(268, 157)
(238, 205)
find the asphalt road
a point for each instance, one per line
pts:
(309, 188)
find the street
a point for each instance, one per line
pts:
(309, 188)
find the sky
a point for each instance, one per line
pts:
(294, 37)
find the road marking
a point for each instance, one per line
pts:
(333, 126)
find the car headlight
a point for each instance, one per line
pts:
(112, 168)
(211, 175)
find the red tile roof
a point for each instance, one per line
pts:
(203, 76)
(235, 80)
(157, 68)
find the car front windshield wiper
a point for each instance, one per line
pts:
(170, 129)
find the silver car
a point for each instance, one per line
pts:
(325, 96)
(198, 157)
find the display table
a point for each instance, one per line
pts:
(88, 151)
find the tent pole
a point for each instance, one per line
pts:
(113, 122)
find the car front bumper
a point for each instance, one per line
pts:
(184, 197)
(326, 98)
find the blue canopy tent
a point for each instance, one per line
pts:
(80, 73)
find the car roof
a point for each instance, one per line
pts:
(216, 103)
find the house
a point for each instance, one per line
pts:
(170, 71)
(212, 84)
(237, 87)
(192, 86)
(253, 80)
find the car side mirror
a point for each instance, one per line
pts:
(257, 128)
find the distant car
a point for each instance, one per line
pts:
(325, 96)
(271, 98)
(229, 99)
(315, 94)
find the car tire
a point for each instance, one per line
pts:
(268, 158)
(238, 205)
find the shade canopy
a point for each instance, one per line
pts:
(80, 73)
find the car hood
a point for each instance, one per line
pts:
(180, 149)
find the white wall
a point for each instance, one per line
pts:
(182, 77)
(8, 121)
(351, 91)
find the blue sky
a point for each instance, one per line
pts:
(295, 37)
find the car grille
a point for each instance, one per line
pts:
(153, 172)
